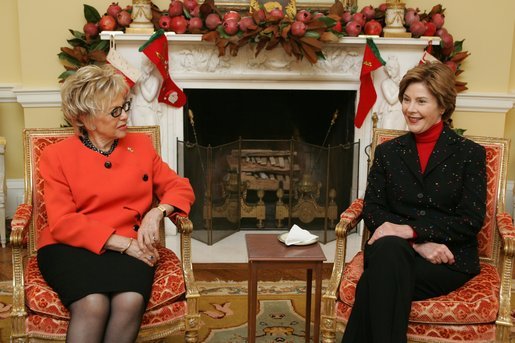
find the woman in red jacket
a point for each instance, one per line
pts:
(99, 249)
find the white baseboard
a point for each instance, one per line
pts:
(15, 194)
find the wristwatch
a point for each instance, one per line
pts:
(162, 210)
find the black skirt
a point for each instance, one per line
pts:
(74, 273)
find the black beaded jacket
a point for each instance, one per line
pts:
(446, 204)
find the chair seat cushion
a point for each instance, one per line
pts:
(475, 302)
(168, 287)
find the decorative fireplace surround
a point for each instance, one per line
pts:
(196, 64)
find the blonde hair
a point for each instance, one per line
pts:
(439, 80)
(89, 91)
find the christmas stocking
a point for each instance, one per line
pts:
(156, 49)
(130, 73)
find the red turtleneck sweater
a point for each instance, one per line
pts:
(426, 142)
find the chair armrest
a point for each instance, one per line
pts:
(185, 228)
(507, 232)
(20, 225)
(348, 220)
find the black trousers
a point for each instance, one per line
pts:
(394, 275)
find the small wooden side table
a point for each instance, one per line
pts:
(265, 251)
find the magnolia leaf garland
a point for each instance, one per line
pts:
(266, 32)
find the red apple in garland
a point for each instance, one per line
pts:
(195, 23)
(124, 18)
(259, 16)
(438, 19)
(383, 7)
(107, 23)
(230, 27)
(369, 12)
(212, 21)
(179, 24)
(410, 16)
(353, 28)
(417, 28)
(298, 28)
(447, 44)
(373, 28)
(90, 29)
(441, 32)
(359, 18)
(246, 24)
(195, 12)
(164, 22)
(430, 29)
(337, 27)
(303, 16)
(346, 17)
(176, 8)
(190, 4)
(232, 15)
(277, 13)
(113, 9)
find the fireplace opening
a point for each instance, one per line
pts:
(268, 159)
(224, 115)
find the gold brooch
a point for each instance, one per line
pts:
(130, 149)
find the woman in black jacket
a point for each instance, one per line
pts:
(424, 205)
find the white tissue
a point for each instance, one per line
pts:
(298, 235)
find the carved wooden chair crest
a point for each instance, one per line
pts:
(37, 312)
(479, 311)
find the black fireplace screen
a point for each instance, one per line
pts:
(268, 184)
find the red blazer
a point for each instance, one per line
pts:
(87, 200)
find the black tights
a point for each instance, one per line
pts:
(106, 318)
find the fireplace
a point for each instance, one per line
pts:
(268, 159)
(196, 65)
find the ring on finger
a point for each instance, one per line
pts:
(151, 257)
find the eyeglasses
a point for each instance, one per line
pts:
(117, 111)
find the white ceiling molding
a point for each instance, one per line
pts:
(466, 102)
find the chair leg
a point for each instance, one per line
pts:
(191, 336)
(502, 333)
(328, 329)
(192, 328)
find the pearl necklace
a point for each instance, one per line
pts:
(88, 144)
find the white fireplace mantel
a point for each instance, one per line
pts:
(195, 64)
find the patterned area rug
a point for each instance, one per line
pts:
(280, 318)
